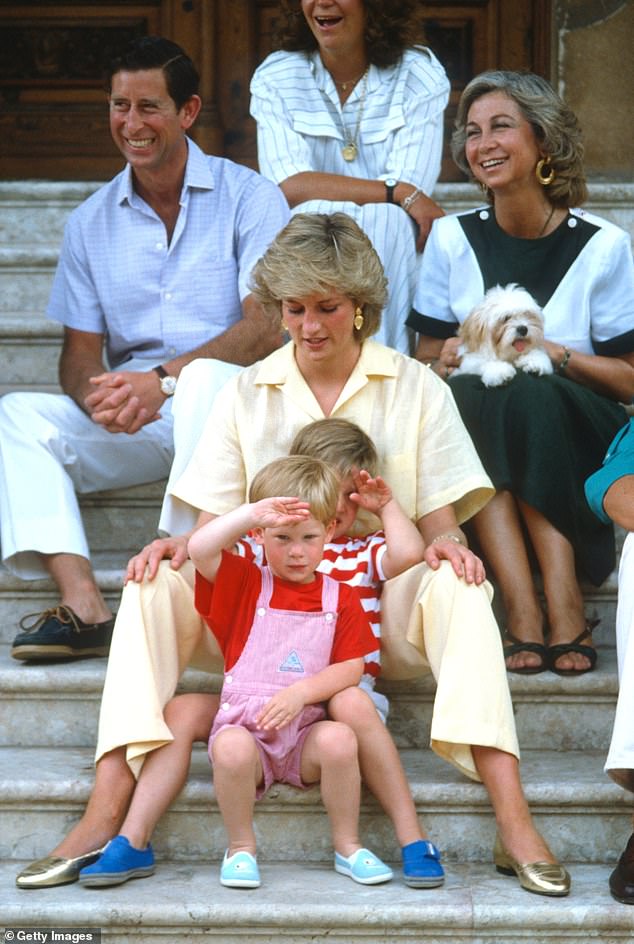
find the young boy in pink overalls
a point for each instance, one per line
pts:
(363, 562)
(291, 639)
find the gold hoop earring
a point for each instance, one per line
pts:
(358, 319)
(542, 165)
(283, 325)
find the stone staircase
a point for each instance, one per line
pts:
(48, 716)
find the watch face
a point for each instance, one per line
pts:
(168, 386)
(391, 182)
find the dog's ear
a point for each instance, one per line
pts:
(474, 330)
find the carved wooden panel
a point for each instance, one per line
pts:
(53, 118)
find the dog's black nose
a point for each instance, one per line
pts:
(522, 330)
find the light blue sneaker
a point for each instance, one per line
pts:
(240, 871)
(117, 863)
(363, 867)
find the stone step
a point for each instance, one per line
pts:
(301, 902)
(582, 813)
(29, 352)
(61, 702)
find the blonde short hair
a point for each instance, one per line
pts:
(308, 479)
(317, 253)
(340, 443)
(554, 125)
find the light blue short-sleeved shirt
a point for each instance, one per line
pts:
(117, 274)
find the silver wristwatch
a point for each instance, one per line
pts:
(168, 383)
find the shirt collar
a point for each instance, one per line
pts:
(325, 82)
(198, 175)
(375, 360)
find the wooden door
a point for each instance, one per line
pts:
(53, 115)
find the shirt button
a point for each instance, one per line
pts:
(228, 679)
(484, 214)
(159, 246)
(261, 611)
(572, 222)
(225, 706)
(172, 350)
(329, 617)
(168, 296)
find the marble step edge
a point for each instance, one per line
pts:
(31, 327)
(26, 192)
(86, 676)
(554, 781)
(301, 902)
(27, 256)
(106, 565)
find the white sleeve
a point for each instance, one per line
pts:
(282, 151)
(416, 150)
(612, 296)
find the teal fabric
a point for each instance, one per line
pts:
(619, 461)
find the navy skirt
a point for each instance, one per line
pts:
(540, 438)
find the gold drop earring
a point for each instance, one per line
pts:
(358, 319)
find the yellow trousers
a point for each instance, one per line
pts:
(431, 621)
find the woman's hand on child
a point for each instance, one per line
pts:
(279, 512)
(373, 494)
(281, 708)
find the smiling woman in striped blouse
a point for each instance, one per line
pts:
(350, 117)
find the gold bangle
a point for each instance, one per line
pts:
(564, 361)
(450, 536)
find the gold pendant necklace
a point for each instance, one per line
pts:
(350, 82)
(350, 150)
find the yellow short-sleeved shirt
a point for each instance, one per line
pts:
(425, 452)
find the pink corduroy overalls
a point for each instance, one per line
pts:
(283, 647)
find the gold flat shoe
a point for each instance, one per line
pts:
(542, 878)
(54, 870)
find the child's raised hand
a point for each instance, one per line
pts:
(371, 493)
(281, 708)
(279, 512)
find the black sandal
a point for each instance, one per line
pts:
(518, 646)
(562, 649)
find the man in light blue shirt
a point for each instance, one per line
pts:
(153, 274)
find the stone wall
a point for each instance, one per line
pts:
(595, 75)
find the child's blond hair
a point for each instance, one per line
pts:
(340, 443)
(304, 477)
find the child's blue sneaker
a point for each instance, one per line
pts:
(240, 871)
(363, 867)
(117, 863)
(421, 865)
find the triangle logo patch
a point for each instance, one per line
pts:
(292, 663)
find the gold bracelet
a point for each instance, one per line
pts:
(564, 361)
(450, 536)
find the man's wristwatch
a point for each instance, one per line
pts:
(168, 383)
(390, 184)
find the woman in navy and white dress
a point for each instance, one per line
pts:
(538, 437)
(350, 117)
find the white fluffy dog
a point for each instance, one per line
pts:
(502, 334)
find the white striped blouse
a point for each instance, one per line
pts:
(302, 125)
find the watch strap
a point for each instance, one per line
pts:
(389, 190)
(160, 370)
